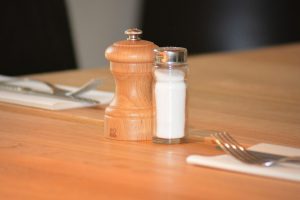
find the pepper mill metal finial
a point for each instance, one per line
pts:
(130, 115)
(133, 33)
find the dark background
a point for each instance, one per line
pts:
(35, 34)
(221, 25)
(35, 37)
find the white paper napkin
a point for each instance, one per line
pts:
(50, 103)
(227, 162)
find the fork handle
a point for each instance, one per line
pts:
(291, 159)
(92, 84)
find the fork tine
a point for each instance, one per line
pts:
(228, 149)
(233, 141)
(242, 150)
(242, 155)
(234, 149)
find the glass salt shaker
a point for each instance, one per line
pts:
(170, 95)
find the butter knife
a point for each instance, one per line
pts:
(28, 90)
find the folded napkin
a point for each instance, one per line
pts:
(50, 103)
(227, 162)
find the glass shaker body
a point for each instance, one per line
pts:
(170, 95)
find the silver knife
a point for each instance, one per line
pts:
(28, 90)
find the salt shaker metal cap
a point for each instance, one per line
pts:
(170, 55)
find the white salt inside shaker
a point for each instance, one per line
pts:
(170, 93)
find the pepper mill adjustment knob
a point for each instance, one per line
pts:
(133, 33)
(130, 114)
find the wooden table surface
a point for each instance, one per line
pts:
(254, 95)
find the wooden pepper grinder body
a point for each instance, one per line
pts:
(129, 116)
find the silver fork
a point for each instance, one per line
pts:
(232, 147)
(92, 84)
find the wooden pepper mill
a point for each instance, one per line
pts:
(129, 115)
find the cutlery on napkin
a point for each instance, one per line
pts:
(285, 171)
(49, 102)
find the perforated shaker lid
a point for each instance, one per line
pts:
(170, 55)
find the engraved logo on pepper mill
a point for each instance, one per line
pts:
(113, 132)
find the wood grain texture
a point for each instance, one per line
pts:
(129, 116)
(254, 95)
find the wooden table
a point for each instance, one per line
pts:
(254, 95)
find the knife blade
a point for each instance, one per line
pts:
(28, 90)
